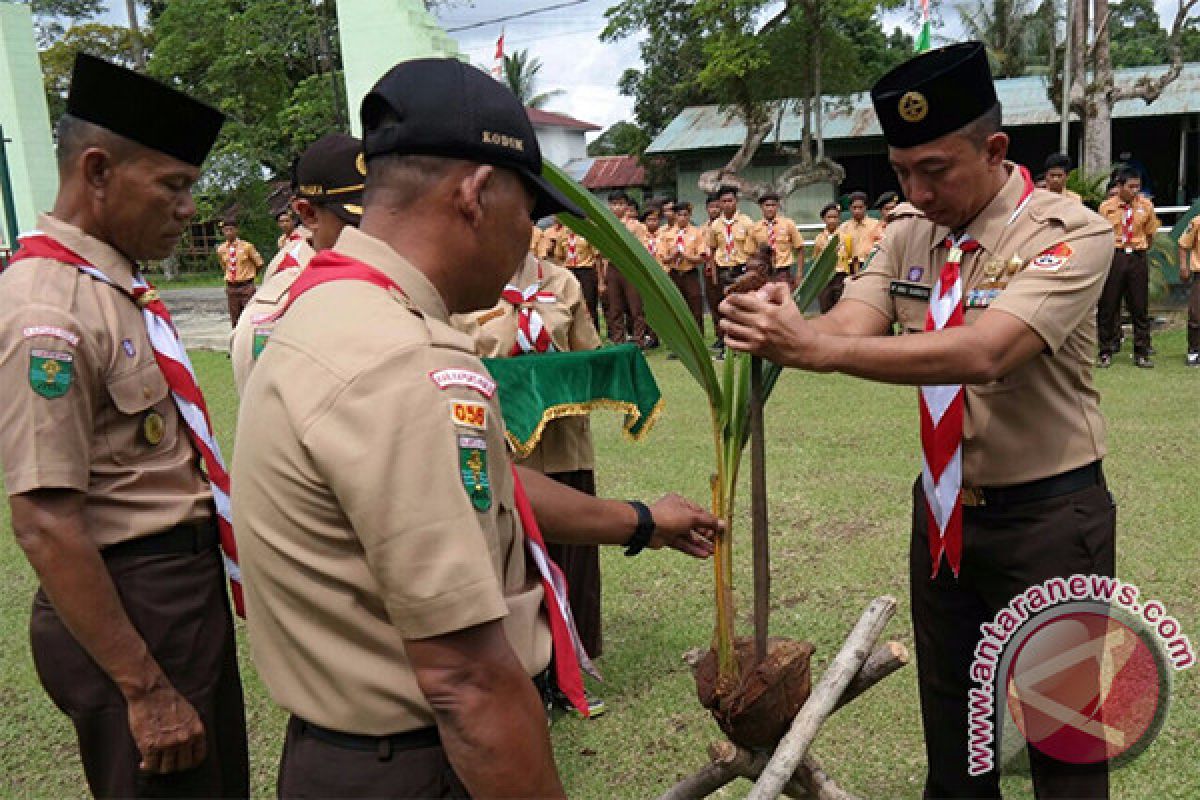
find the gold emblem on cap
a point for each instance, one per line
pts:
(154, 427)
(360, 164)
(913, 107)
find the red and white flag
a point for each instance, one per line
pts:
(498, 59)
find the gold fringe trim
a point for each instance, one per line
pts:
(630, 410)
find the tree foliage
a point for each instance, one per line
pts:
(521, 72)
(621, 138)
(111, 42)
(53, 17)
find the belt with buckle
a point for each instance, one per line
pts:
(1041, 489)
(408, 740)
(191, 538)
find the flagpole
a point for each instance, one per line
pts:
(1064, 133)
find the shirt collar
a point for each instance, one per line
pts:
(990, 224)
(527, 274)
(99, 254)
(378, 254)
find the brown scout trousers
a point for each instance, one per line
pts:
(239, 296)
(591, 294)
(621, 301)
(1128, 279)
(178, 604)
(1193, 323)
(580, 564)
(1006, 549)
(688, 284)
(714, 292)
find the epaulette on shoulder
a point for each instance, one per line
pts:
(1072, 215)
(905, 210)
(444, 335)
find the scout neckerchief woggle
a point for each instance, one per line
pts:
(173, 360)
(532, 336)
(729, 223)
(943, 408)
(569, 655)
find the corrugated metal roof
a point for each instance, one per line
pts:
(551, 119)
(1024, 101)
(615, 172)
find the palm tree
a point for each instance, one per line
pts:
(520, 75)
(1002, 26)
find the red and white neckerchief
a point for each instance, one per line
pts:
(291, 258)
(729, 223)
(1127, 225)
(232, 257)
(532, 335)
(771, 233)
(943, 408)
(680, 241)
(572, 255)
(651, 242)
(173, 360)
(569, 654)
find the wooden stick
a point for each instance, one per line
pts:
(821, 702)
(758, 512)
(724, 768)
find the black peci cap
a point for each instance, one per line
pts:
(142, 110)
(331, 173)
(934, 94)
(443, 107)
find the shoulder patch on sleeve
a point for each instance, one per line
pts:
(34, 331)
(469, 379)
(51, 372)
(1052, 259)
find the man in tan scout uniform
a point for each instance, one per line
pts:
(1189, 268)
(392, 605)
(728, 246)
(1058, 166)
(240, 262)
(831, 215)
(289, 230)
(622, 304)
(782, 235)
(683, 250)
(329, 177)
(568, 249)
(1030, 266)
(1134, 224)
(131, 631)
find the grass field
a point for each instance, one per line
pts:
(842, 456)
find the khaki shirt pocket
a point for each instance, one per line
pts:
(130, 433)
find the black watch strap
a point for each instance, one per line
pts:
(643, 531)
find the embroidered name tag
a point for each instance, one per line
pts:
(916, 291)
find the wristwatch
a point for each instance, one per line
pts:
(643, 531)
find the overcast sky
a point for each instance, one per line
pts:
(566, 39)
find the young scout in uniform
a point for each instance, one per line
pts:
(1057, 168)
(240, 262)
(1020, 485)
(329, 186)
(783, 237)
(289, 231)
(536, 236)
(576, 253)
(565, 451)
(1189, 267)
(729, 246)
(622, 304)
(713, 292)
(831, 215)
(683, 250)
(131, 630)
(392, 604)
(1134, 224)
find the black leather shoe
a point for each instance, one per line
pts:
(1105, 361)
(1143, 362)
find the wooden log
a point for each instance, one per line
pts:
(758, 512)
(883, 661)
(792, 748)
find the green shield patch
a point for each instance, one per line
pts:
(50, 372)
(473, 466)
(260, 341)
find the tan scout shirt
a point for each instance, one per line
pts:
(253, 330)
(676, 245)
(1145, 222)
(301, 251)
(87, 431)
(535, 241)
(787, 240)
(366, 419)
(856, 240)
(729, 241)
(299, 234)
(566, 443)
(1043, 418)
(1189, 241)
(240, 260)
(573, 251)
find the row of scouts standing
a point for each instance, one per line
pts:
(390, 558)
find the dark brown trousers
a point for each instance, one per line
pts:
(623, 309)
(714, 293)
(1128, 280)
(580, 564)
(239, 296)
(314, 768)
(178, 604)
(688, 284)
(832, 292)
(591, 294)
(1005, 551)
(1193, 323)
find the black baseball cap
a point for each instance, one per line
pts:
(936, 93)
(331, 173)
(142, 110)
(443, 107)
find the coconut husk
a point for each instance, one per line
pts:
(757, 712)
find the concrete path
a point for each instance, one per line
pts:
(201, 316)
